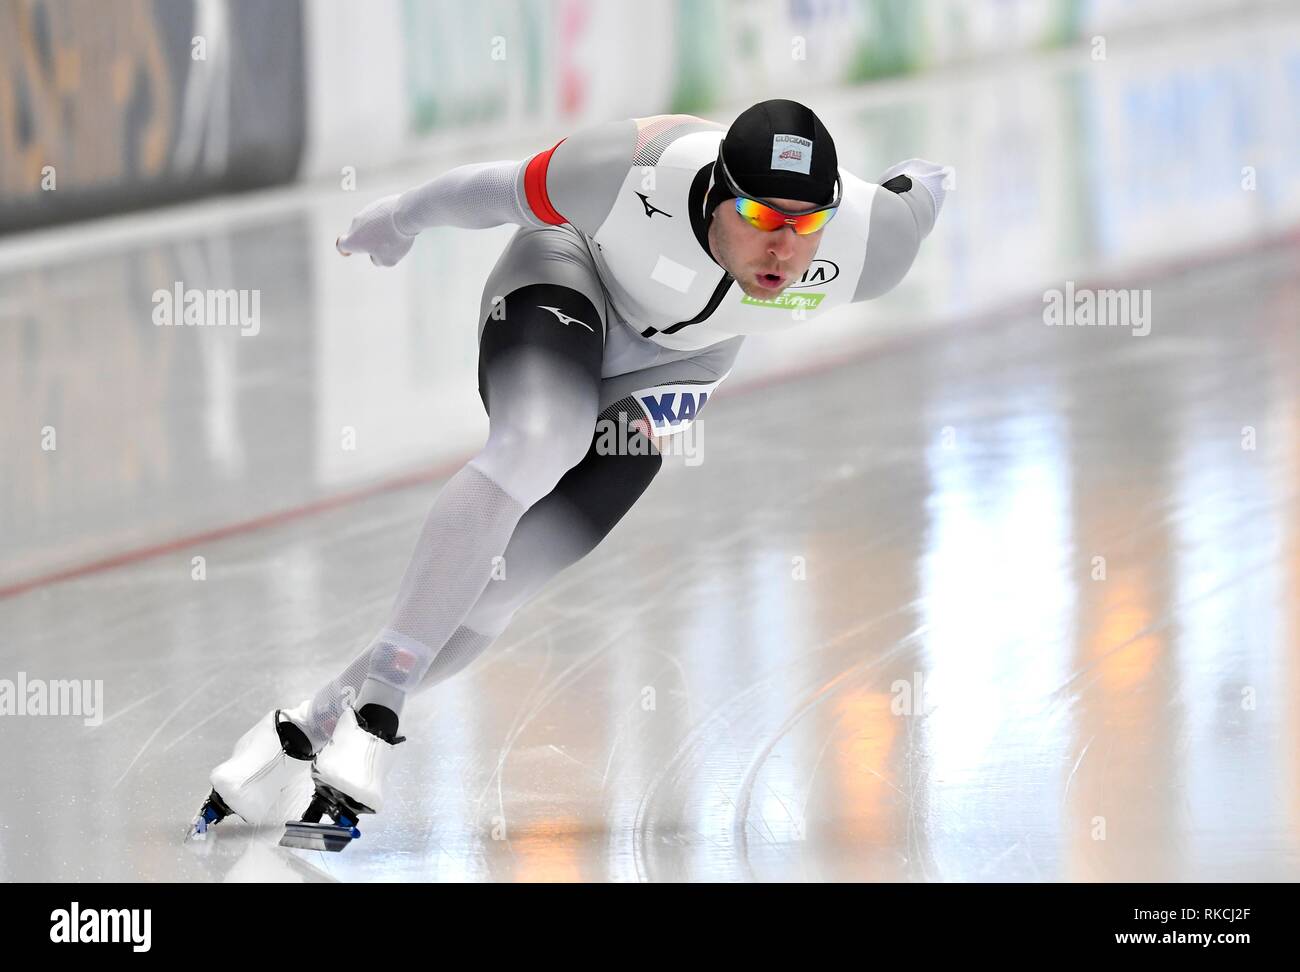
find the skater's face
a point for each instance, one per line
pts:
(763, 263)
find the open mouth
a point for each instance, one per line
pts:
(770, 281)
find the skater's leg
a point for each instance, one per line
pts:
(557, 531)
(541, 337)
(554, 534)
(587, 503)
(540, 351)
(561, 528)
(542, 380)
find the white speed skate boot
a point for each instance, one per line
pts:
(268, 773)
(349, 774)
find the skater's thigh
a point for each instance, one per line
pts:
(542, 321)
(541, 340)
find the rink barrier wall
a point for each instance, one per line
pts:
(509, 67)
(108, 107)
(105, 108)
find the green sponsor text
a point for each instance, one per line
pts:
(787, 301)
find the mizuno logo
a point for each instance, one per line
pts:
(651, 210)
(565, 318)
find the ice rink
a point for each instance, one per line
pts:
(951, 595)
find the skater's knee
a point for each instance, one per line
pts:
(528, 458)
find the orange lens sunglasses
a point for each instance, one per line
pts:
(763, 215)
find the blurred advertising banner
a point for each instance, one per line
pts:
(114, 105)
(510, 63)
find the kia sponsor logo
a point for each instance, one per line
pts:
(818, 274)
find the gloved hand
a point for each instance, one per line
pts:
(373, 231)
(930, 174)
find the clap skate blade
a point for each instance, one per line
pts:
(310, 834)
(213, 811)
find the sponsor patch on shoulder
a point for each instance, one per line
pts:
(793, 152)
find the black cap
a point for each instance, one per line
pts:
(777, 149)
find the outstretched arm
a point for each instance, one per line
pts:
(473, 196)
(574, 181)
(901, 217)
